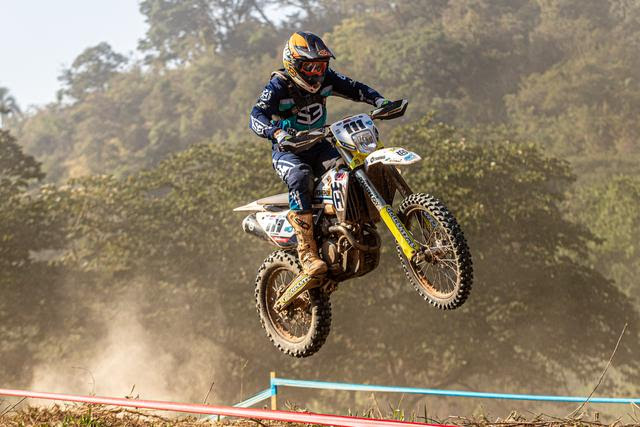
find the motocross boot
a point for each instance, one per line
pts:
(302, 223)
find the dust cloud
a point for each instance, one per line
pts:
(130, 360)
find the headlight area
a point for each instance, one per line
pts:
(365, 141)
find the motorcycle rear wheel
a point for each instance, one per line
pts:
(445, 276)
(302, 328)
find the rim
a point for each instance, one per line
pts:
(294, 322)
(439, 271)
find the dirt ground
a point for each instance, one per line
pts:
(99, 416)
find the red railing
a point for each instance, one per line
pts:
(228, 411)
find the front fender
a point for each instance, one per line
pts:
(396, 156)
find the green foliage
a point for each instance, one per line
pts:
(139, 223)
(611, 210)
(91, 71)
(8, 106)
(183, 31)
(178, 30)
(16, 168)
(27, 231)
(502, 188)
(580, 107)
(173, 224)
(23, 226)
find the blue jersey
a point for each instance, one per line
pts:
(283, 105)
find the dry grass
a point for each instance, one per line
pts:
(518, 420)
(101, 416)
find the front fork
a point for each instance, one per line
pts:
(405, 240)
(407, 243)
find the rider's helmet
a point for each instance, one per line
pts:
(306, 59)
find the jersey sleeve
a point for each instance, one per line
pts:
(265, 108)
(347, 88)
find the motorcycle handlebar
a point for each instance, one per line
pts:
(306, 138)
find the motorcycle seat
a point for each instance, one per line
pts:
(276, 200)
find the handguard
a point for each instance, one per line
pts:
(303, 141)
(391, 110)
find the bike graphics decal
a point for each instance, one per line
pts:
(338, 199)
(346, 129)
(392, 156)
(322, 192)
(355, 126)
(339, 190)
(276, 226)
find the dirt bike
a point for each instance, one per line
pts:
(348, 201)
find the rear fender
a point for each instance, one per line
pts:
(251, 207)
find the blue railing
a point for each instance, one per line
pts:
(275, 382)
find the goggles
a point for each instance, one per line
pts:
(313, 68)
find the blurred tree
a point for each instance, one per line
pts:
(91, 71)
(182, 31)
(495, 40)
(583, 102)
(583, 106)
(178, 30)
(27, 231)
(26, 224)
(8, 106)
(611, 210)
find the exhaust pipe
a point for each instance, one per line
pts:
(250, 225)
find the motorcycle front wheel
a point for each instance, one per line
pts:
(301, 328)
(443, 272)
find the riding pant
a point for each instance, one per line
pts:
(298, 171)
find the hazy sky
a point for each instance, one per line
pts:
(40, 37)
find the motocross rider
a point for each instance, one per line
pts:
(294, 100)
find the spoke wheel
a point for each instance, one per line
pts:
(442, 271)
(294, 322)
(300, 329)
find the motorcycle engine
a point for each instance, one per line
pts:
(330, 254)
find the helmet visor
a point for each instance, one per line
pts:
(313, 68)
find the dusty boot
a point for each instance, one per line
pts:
(302, 223)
